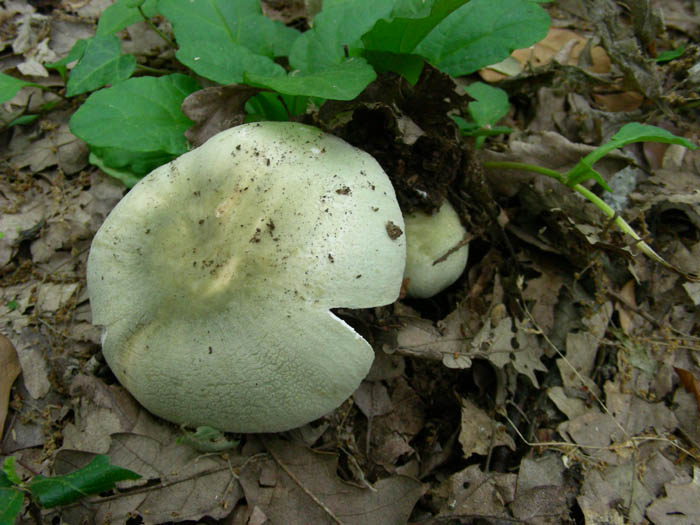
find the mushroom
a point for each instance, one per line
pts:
(436, 251)
(214, 277)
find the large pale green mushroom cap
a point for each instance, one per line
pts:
(435, 257)
(214, 277)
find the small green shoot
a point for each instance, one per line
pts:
(671, 54)
(628, 134)
(97, 476)
(489, 106)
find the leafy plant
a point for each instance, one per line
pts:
(490, 105)
(136, 123)
(583, 171)
(97, 476)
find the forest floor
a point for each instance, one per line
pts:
(557, 381)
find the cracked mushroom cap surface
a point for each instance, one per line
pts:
(215, 275)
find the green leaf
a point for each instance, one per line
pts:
(671, 54)
(75, 53)
(22, 120)
(340, 23)
(98, 476)
(269, 105)
(222, 39)
(11, 500)
(337, 82)
(471, 129)
(483, 32)
(139, 115)
(139, 164)
(408, 66)
(102, 63)
(122, 14)
(9, 86)
(490, 103)
(412, 8)
(403, 34)
(10, 474)
(628, 134)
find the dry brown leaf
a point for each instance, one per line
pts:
(680, 506)
(372, 399)
(305, 488)
(178, 483)
(9, 370)
(625, 101)
(473, 493)
(479, 433)
(391, 434)
(614, 495)
(689, 383)
(544, 291)
(215, 109)
(562, 45)
(544, 505)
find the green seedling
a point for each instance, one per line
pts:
(489, 106)
(583, 171)
(47, 492)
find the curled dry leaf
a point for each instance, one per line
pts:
(9, 370)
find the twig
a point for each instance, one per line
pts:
(465, 240)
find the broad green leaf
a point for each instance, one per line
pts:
(74, 54)
(490, 103)
(340, 23)
(139, 164)
(483, 32)
(9, 86)
(97, 476)
(343, 81)
(139, 120)
(408, 66)
(222, 39)
(628, 134)
(403, 34)
(102, 63)
(9, 472)
(122, 14)
(266, 105)
(412, 8)
(269, 105)
(11, 500)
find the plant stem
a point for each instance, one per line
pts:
(620, 222)
(592, 197)
(153, 70)
(158, 31)
(522, 166)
